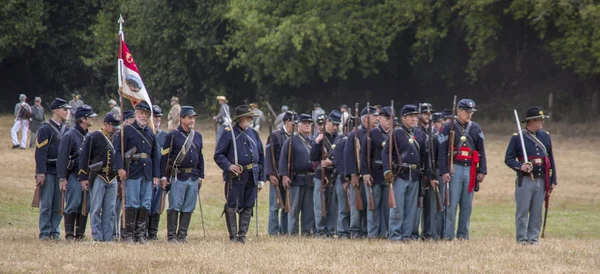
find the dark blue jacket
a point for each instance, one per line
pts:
(69, 150)
(98, 147)
(412, 153)
(146, 168)
(249, 150)
(338, 153)
(161, 135)
(378, 139)
(194, 158)
(316, 153)
(350, 164)
(275, 141)
(476, 135)
(301, 163)
(514, 153)
(46, 150)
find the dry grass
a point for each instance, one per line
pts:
(572, 244)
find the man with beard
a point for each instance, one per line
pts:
(426, 190)
(67, 165)
(143, 171)
(154, 215)
(183, 147)
(128, 119)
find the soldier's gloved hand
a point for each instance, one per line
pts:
(368, 180)
(199, 184)
(274, 180)
(122, 174)
(163, 183)
(63, 184)
(40, 179)
(235, 169)
(480, 177)
(446, 178)
(286, 182)
(84, 185)
(526, 168)
(354, 179)
(389, 177)
(260, 185)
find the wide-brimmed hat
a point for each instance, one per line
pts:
(221, 98)
(175, 98)
(535, 113)
(243, 111)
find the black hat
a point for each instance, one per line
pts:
(396, 121)
(243, 111)
(437, 116)
(372, 110)
(84, 111)
(321, 119)
(305, 118)
(409, 109)
(335, 117)
(467, 104)
(290, 115)
(344, 106)
(387, 111)
(535, 113)
(425, 107)
(128, 114)
(446, 113)
(59, 103)
(187, 111)
(113, 119)
(142, 106)
(157, 111)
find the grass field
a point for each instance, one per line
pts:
(572, 241)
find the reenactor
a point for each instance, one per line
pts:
(67, 165)
(297, 177)
(372, 173)
(358, 218)
(409, 157)
(239, 153)
(128, 119)
(322, 154)
(320, 123)
(98, 173)
(139, 174)
(182, 165)
(437, 121)
(426, 191)
(342, 190)
(277, 217)
(468, 167)
(157, 193)
(46, 152)
(536, 178)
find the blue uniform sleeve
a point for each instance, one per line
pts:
(283, 158)
(156, 157)
(512, 152)
(63, 156)
(481, 149)
(443, 149)
(270, 164)
(553, 178)
(84, 158)
(364, 169)
(385, 154)
(41, 150)
(316, 150)
(261, 158)
(118, 147)
(200, 158)
(221, 151)
(425, 155)
(166, 151)
(339, 157)
(349, 156)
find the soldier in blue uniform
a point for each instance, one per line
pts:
(377, 219)
(319, 124)
(324, 187)
(428, 212)
(277, 218)
(301, 182)
(67, 165)
(530, 194)
(154, 214)
(342, 191)
(128, 119)
(409, 158)
(358, 218)
(46, 152)
(142, 174)
(98, 150)
(469, 167)
(182, 156)
(242, 162)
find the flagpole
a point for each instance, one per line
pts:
(120, 76)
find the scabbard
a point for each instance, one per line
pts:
(519, 179)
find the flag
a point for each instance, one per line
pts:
(131, 85)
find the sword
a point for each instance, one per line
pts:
(523, 143)
(201, 213)
(230, 122)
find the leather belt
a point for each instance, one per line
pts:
(462, 153)
(249, 166)
(304, 174)
(538, 161)
(409, 166)
(185, 170)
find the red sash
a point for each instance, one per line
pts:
(465, 154)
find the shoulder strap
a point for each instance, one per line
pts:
(142, 135)
(536, 141)
(410, 137)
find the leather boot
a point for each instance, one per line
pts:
(80, 225)
(140, 226)
(184, 223)
(69, 220)
(172, 225)
(244, 223)
(153, 227)
(130, 222)
(230, 219)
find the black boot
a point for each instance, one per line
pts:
(153, 227)
(130, 221)
(230, 219)
(184, 223)
(245, 216)
(80, 227)
(69, 220)
(172, 225)
(140, 226)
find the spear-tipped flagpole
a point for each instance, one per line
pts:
(120, 80)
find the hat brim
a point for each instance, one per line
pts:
(535, 117)
(116, 126)
(247, 114)
(93, 115)
(410, 113)
(469, 109)
(157, 115)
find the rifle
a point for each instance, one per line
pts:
(35, 202)
(278, 197)
(371, 198)
(324, 181)
(450, 152)
(127, 156)
(359, 203)
(438, 198)
(290, 171)
(61, 209)
(547, 204)
(391, 141)
(93, 170)
(168, 170)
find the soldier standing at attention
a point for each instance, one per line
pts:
(128, 119)
(301, 183)
(154, 215)
(46, 152)
(426, 125)
(342, 186)
(67, 165)
(141, 175)
(239, 153)
(469, 167)
(186, 172)
(530, 194)
(98, 149)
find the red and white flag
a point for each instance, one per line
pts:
(131, 83)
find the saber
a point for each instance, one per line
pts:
(201, 214)
(230, 122)
(525, 159)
